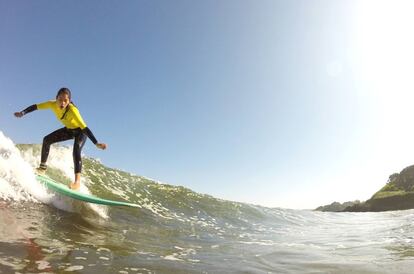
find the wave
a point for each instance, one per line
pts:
(159, 202)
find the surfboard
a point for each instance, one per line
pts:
(66, 191)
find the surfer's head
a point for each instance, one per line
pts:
(63, 98)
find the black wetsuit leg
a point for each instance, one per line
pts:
(59, 135)
(65, 134)
(80, 139)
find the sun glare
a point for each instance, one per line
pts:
(384, 46)
(383, 56)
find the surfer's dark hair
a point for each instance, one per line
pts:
(64, 91)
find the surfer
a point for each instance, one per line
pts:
(74, 128)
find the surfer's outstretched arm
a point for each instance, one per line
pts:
(25, 111)
(90, 135)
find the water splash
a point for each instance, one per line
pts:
(18, 182)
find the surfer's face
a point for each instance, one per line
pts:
(63, 100)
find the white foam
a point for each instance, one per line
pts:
(18, 181)
(42, 265)
(181, 255)
(74, 268)
(172, 257)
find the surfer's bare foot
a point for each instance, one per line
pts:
(74, 185)
(40, 171)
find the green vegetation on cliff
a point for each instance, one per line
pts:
(397, 194)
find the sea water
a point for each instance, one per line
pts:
(177, 230)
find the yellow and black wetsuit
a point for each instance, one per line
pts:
(74, 128)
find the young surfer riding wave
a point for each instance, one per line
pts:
(74, 128)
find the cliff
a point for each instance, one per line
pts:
(397, 194)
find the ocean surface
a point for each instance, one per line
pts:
(177, 230)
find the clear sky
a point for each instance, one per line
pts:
(279, 103)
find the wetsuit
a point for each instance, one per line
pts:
(74, 128)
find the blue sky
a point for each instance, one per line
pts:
(279, 103)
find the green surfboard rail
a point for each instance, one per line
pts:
(64, 190)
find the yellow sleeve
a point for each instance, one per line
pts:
(45, 105)
(78, 117)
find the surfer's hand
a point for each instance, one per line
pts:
(18, 114)
(101, 146)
